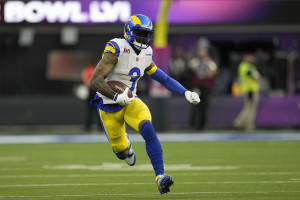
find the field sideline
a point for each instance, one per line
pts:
(201, 170)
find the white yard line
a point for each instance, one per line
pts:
(140, 167)
(146, 194)
(183, 183)
(135, 174)
(72, 176)
(12, 159)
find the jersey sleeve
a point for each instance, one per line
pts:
(112, 47)
(169, 83)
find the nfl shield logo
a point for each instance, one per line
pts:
(137, 59)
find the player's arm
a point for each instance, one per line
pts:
(253, 73)
(98, 83)
(104, 67)
(155, 73)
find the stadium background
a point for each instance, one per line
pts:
(46, 153)
(36, 94)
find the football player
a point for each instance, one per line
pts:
(126, 60)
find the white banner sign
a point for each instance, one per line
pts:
(66, 11)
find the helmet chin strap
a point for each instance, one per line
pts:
(138, 45)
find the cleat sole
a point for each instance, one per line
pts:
(165, 184)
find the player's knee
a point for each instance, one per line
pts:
(148, 132)
(142, 123)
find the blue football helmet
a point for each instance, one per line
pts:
(138, 31)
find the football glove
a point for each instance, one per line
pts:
(192, 97)
(123, 98)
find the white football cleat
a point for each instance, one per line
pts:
(130, 159)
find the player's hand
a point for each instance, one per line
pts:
(123, 98)
(192, 97)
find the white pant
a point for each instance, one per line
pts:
(246, 118)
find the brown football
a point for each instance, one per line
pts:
(119, 87)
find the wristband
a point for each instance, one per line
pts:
(116, 96)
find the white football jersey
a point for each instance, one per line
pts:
(130, 67)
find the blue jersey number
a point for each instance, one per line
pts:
(134, 79)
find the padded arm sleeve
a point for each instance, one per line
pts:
(166, 81)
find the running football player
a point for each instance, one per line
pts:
(126, 60)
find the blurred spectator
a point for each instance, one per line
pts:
(249, 79)
(204, 70)
(178, 66)
(86, 75)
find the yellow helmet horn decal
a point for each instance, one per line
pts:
(135, 20)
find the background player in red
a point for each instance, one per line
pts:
(86, 75)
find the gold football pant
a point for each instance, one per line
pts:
(114, 123)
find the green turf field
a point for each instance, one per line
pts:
(201, 170)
